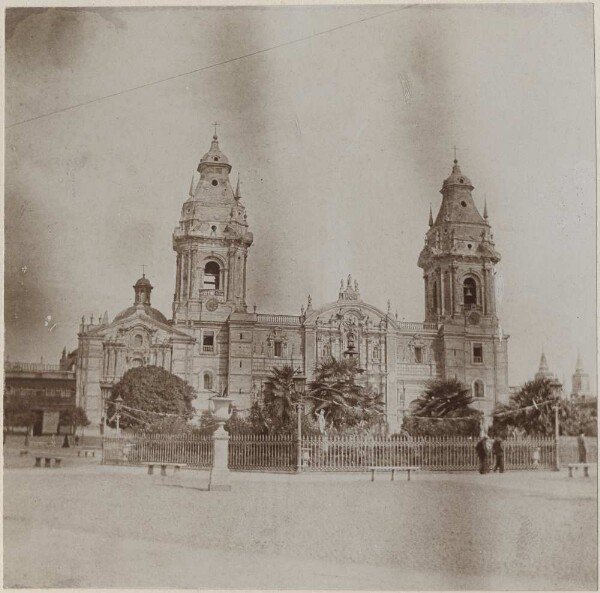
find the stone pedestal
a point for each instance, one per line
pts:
(219, 474)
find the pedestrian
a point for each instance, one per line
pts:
(498, 450)
(66, 443)
(76, 440)
(482, 453)
(53, 441)
(582, 449)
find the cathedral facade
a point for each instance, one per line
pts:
(214, 343)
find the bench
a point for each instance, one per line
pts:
(400, 468)
(163, 467)
(585, 467)
(85, 452)
(47, 461)
(23, 452)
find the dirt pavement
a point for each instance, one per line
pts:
(88, 525)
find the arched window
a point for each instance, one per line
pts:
(470, 291)
(139, 341)
(212, 276)
(137, 362)
(207, 381)
(376, 353)
(478, 389)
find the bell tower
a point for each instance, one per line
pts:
(458, 262)
(211, 242)
(459, 256)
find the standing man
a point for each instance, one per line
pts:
(582, 449)
(498, 450)
(482, 453)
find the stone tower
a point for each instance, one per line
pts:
(211, 243)
(544, 371)
(580, 381)
(458, 262)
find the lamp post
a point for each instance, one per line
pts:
(299, 386)
(118, 403)
(556, 439)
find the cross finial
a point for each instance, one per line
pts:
(455, 154)
(216, 124)
(143, 270)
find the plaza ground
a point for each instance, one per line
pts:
(87, 525)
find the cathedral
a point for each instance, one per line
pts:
(217, 345)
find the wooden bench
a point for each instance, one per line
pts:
(585, 467)
(163, 467)
(399, 468)
(47, 461)
(85, 452)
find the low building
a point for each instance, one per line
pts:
(45, 389)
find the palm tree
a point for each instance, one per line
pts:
(343, 401)
(444, 398)
(531, 409)
(280, 395)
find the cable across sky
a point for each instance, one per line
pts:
(210, 66)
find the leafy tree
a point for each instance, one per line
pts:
(438, 409)
(75, 418)
(345, 402)
(161, 401)
(18, 413)
(530, 410)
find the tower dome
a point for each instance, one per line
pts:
(457, 178)
(214, 155)
(142, 289)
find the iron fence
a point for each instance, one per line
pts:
(263, 452)
(329, 453)
(133, 449)
(429, 453)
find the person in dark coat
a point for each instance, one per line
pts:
(482, 453)
(498, 451)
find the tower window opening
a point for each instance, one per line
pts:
(470, 292)
(435, 296)
(216, 158)
(278, 350)
(463, 204)
(208, 342)
(207, 381)
(215, 182)
(470, 246)
(477, 353)
(478, 389)
(212, 273)
(419, 355)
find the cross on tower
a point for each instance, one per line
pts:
(216, 124)
(455, 152)
(144, 270)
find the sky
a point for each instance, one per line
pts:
(341, 123)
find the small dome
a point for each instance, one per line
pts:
(148, 310)
(143, 281)
(214, 155)
(457, 178)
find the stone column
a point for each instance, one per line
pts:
(178, 278)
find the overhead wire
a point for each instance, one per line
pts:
(210, 66)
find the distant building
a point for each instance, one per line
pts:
(580, 381)
(215, 344)
(544, 372)
(47, 389)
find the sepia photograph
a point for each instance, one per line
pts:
(300, 297)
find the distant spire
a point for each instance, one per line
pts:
(579, 366)
(238, 194)
(430, 215)
(485, 212)
(105, 318)
(191, 192)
